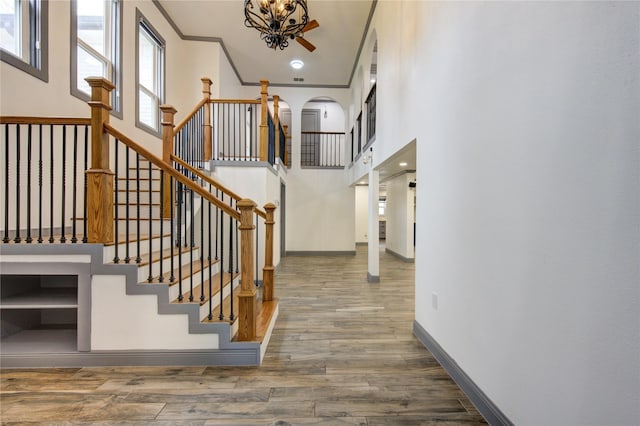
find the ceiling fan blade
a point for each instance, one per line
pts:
(311, 25)
(310, 47)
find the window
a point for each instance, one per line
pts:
(382, 205)
(352, 147)
(359, 132)
(96, 30)
(23, 35)
(149, 76)
(371, 114)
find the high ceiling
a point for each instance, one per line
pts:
(343, 24)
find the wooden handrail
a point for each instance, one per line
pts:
(171, 171)
(218, 185)
(189, 116)
(45, 120)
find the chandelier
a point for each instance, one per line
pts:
(277, 20)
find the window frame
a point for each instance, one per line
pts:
(38, 63)
(114, 74)
(143, 23)
(371, 113)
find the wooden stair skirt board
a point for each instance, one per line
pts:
(22, 259)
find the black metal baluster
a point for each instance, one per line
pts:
(17, 239)
(237, 248)
(138, 259)
(6, 184)
(232, 138)
(116, 259)
(221, 265)
(191, 245)
(217, 211)
(74, 198)
(63, 238)
(231, 316)
(172, 278)
(40, 184)
(127, 257)
(86, 185)
(185, 142)
(237, 239)
(202, 249)
(161, 275)
(150, 277)
(253, 135)
(210, 316)
(29, 239)
(51, 163)
(237, 142)
(257, 244)
(179, 231)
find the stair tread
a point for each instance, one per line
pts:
(166, 253)
(122, 238)
(197, 267)
(215, 289)
(226, 309)
(266, 310)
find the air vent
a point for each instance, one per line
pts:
(298, 79)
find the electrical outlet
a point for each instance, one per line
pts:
(434, 301)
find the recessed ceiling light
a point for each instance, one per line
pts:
(373, 80)
(403, 164)
(296, 64)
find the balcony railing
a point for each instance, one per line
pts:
(322, 149)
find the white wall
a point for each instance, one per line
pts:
(186, 63)
(262, 186)
(320, 204)
(362, 213)
(137, 324)
(399, 214)
(526, 120)
(320, 209)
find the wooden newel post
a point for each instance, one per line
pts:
(276, 123)
(99, 177)
(247, 299)
(267, 271)
(168, 116)
(206, 127)
(264, 128)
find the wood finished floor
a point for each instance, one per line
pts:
(342, 353)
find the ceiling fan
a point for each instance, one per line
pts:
(310, 26)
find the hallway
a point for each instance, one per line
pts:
(342, 352)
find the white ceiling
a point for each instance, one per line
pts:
(338, 40)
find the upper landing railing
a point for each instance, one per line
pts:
(239, 130)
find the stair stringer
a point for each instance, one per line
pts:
(228, 352)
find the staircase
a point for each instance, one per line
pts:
(158, 257)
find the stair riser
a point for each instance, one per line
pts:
(133, 197)
(110, 251)
(204, 309)
(174, 290)
(133, 211)
(143, 182)
(144, 172)
(145, 225)
(143, 271)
